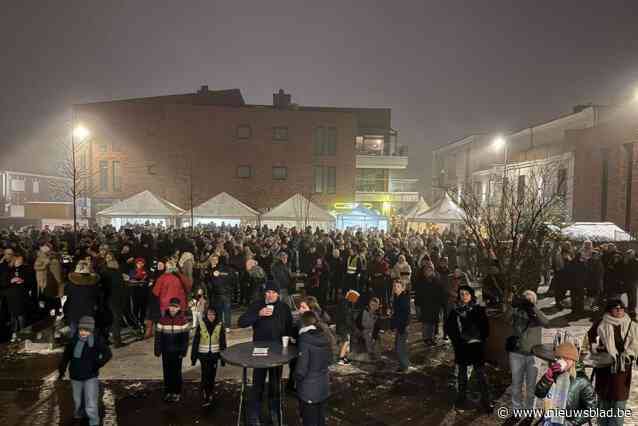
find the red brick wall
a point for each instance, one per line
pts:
(163, 139)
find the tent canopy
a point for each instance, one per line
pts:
(596, 231)
(420, 207)
(362, 217)
(443, 211)
(298, 208)
(144, 204)
(224, 206)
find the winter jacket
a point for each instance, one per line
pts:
(311, 371)
(346, 315)
(221, 283)
(16, 292)
(429, 296)
(403, 272)
(401, 312)
(171, 285)
(88, 365)
(468, 329)
(82, 296)
(209, 340)
(268, 329)
(527, 324)
(282, 276)
(172, 335)
(580, 396)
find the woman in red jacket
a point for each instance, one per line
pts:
(172, 284)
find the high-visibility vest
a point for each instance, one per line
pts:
(352, 264)
(209, 342)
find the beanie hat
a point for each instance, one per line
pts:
(175, 302)
(271, 286)
(466, 288)
(614, 303)
(140, 260)
(87, 323)
(566, 351)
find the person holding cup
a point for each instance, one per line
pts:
(564, 386)
(271, 319)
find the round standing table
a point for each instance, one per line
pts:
(592, 360)
(241, 355)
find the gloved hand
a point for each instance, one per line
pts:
(553, 371)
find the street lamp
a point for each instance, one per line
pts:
(498, 143)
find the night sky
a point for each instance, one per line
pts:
(447, 69)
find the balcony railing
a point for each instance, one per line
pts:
(400, 151)
(386, 185)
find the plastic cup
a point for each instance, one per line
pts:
(285, 340)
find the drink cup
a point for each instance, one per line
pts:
(285, 340)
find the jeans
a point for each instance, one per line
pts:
(172, 368)
(614, 405)
(259, 382)
(90, 390)
(429, 330)
(524, 371)
(313, 414)
(401, 348)
(209, 372)
(223, 309)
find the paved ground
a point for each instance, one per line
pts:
(363, 394)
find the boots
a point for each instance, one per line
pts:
(149, 329)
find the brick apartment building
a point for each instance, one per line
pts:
(212, 141)
(595, 147)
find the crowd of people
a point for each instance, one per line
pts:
(179, 287)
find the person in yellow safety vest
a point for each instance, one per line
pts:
(353, 269)
(208, 342)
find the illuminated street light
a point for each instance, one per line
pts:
(80, 132)
(499, 142)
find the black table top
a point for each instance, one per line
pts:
(242, 355)
(546, 352)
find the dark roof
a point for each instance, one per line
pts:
(229, 97)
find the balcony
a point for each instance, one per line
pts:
(386, 190)
(380, 152)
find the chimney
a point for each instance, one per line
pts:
(281, 99)
(203, 90)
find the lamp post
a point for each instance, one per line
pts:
(500, 143)
(81, 133)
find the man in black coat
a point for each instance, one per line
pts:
(82, 295)
(311, 372)
(400, 321)
(430, 298)
(221, 283)
(270, 319)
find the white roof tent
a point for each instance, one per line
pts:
(298, 211)
(222, 208)
(443, 211)
(420, 207)
(596, 232)
(139, 209)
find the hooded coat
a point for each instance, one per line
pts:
(82, 296)
(311, 371)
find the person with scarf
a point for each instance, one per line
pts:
(208, 342)
(564, 386)
(527, 325)
(84, 355)
(618, 336)
(171, 343)
(468, 329)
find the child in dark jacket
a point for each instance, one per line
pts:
(311, 372)
(84, 356)
(208, 342)
(171, 342)
(400, 321)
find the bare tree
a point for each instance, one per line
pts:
(511, 225)
(302, 210)
(77, 178)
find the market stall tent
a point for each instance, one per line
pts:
(420, 207)
(362, 218)
(443, 211)
(298, 211)
(223, 208)
(141, 208)
(596, 232)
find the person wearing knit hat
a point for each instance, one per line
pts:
(565, 389)
(271, 319)
(617, 335)
(84, 355)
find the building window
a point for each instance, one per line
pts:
(102, 148)
(561, 188)
(331, 180)
(36, 186)
(280, 134)
(318, 179)
(279, 173)
(520, 188)
(325, 141)
(244, 131)
(371, 145)
(117, 176)
(104, 176)
(604, 184)
(244, 172)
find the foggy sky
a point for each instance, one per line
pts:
(447, 69)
